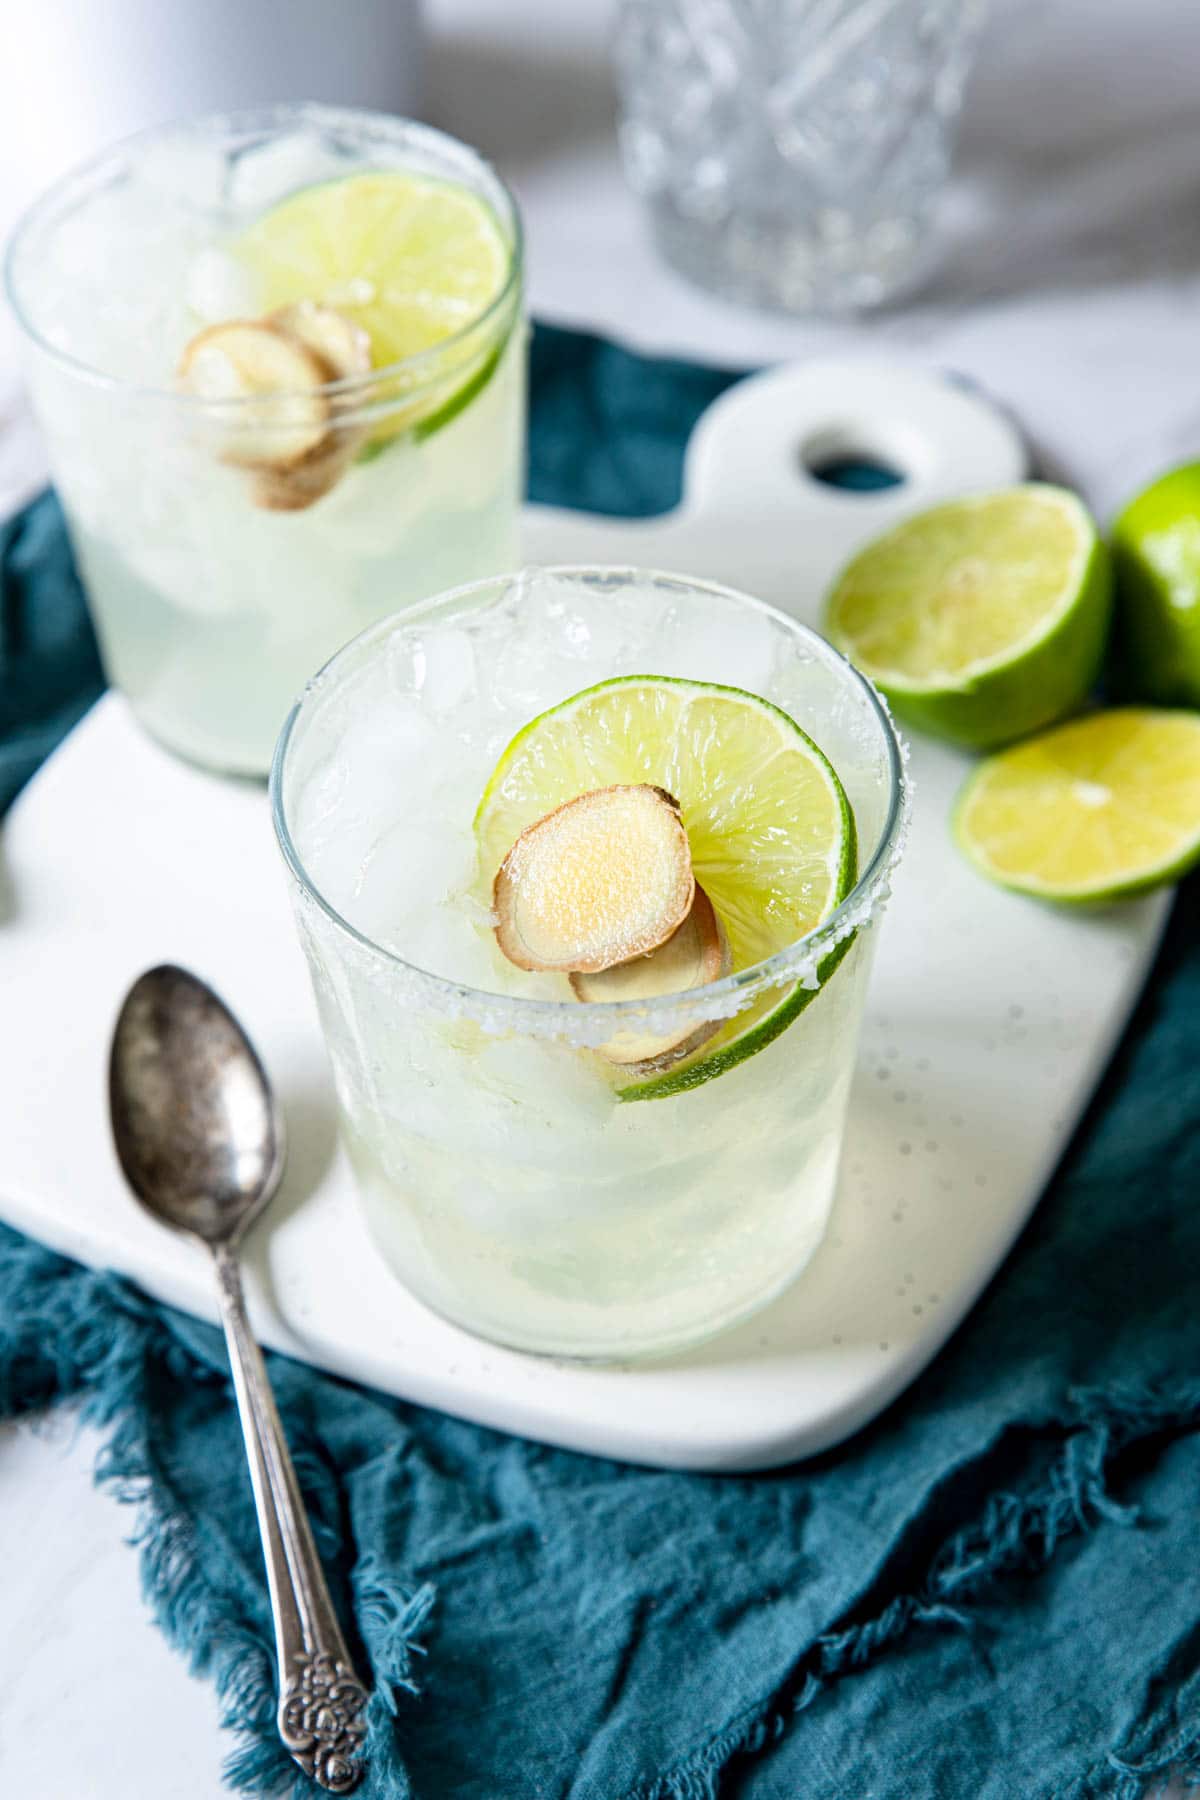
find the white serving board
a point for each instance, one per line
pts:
(989, 1019)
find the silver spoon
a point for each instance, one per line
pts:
(200, 1141)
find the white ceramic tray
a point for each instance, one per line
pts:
(989, 1019)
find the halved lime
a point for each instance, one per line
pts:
(1093, 810)
(414, 261)
(1156, 560)
(770, 828)
(982, 619)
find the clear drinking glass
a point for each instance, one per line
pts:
(791, 153)
(217, 588)
(504, 1180)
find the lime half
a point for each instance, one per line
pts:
(1156, 559)
(1094, 810)
(768, 823)
(412, 260)
(982, 619)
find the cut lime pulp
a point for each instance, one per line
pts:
(770, 828)
(982, 619)
(416, 262)
(1094, 810)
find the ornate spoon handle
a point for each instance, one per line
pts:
(321, 1699)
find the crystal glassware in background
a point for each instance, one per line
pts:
(791, 153)
(504, 1180)
(215, 592)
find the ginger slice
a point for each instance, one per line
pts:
(604, 878)
(341, 345)
(291, 490)
(343, 349)
(294, 443)
(696, 954)
(284, 416)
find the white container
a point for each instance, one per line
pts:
(86, 75)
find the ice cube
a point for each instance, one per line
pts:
(457, 777)
(333, 854)
(318, 801)
(594, 634)
(703, 640)
(386, 752)
(447, 668)
(556, 1082)
(369, 782)
(404, 661)
(537, 663)
(83, 244)
(219, 288)
(267, 172)
(559, 640)
(445, 941)
(183, 167)
(520, 681)
(410, 872)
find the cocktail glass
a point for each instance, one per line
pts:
(215, 590)
(504, 1179)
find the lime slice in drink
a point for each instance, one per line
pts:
(412, 260)
(1093, 810)
(982, 619)
(768, 823)
(1156, 560)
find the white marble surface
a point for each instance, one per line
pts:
(1070, 287)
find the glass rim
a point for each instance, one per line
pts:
(260, 118)
(796, 962)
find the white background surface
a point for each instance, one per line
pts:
(1070, 287)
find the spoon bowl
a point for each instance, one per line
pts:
(197, 1131)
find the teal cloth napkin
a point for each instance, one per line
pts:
(990, 1593)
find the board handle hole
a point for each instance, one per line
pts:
(846, 459)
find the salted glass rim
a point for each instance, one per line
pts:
(376, 125)
(797, 961)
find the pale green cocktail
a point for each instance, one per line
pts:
(242, 501)
(517, 1178)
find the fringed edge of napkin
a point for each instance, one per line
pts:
(70, 1334)
(1017, 1533)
